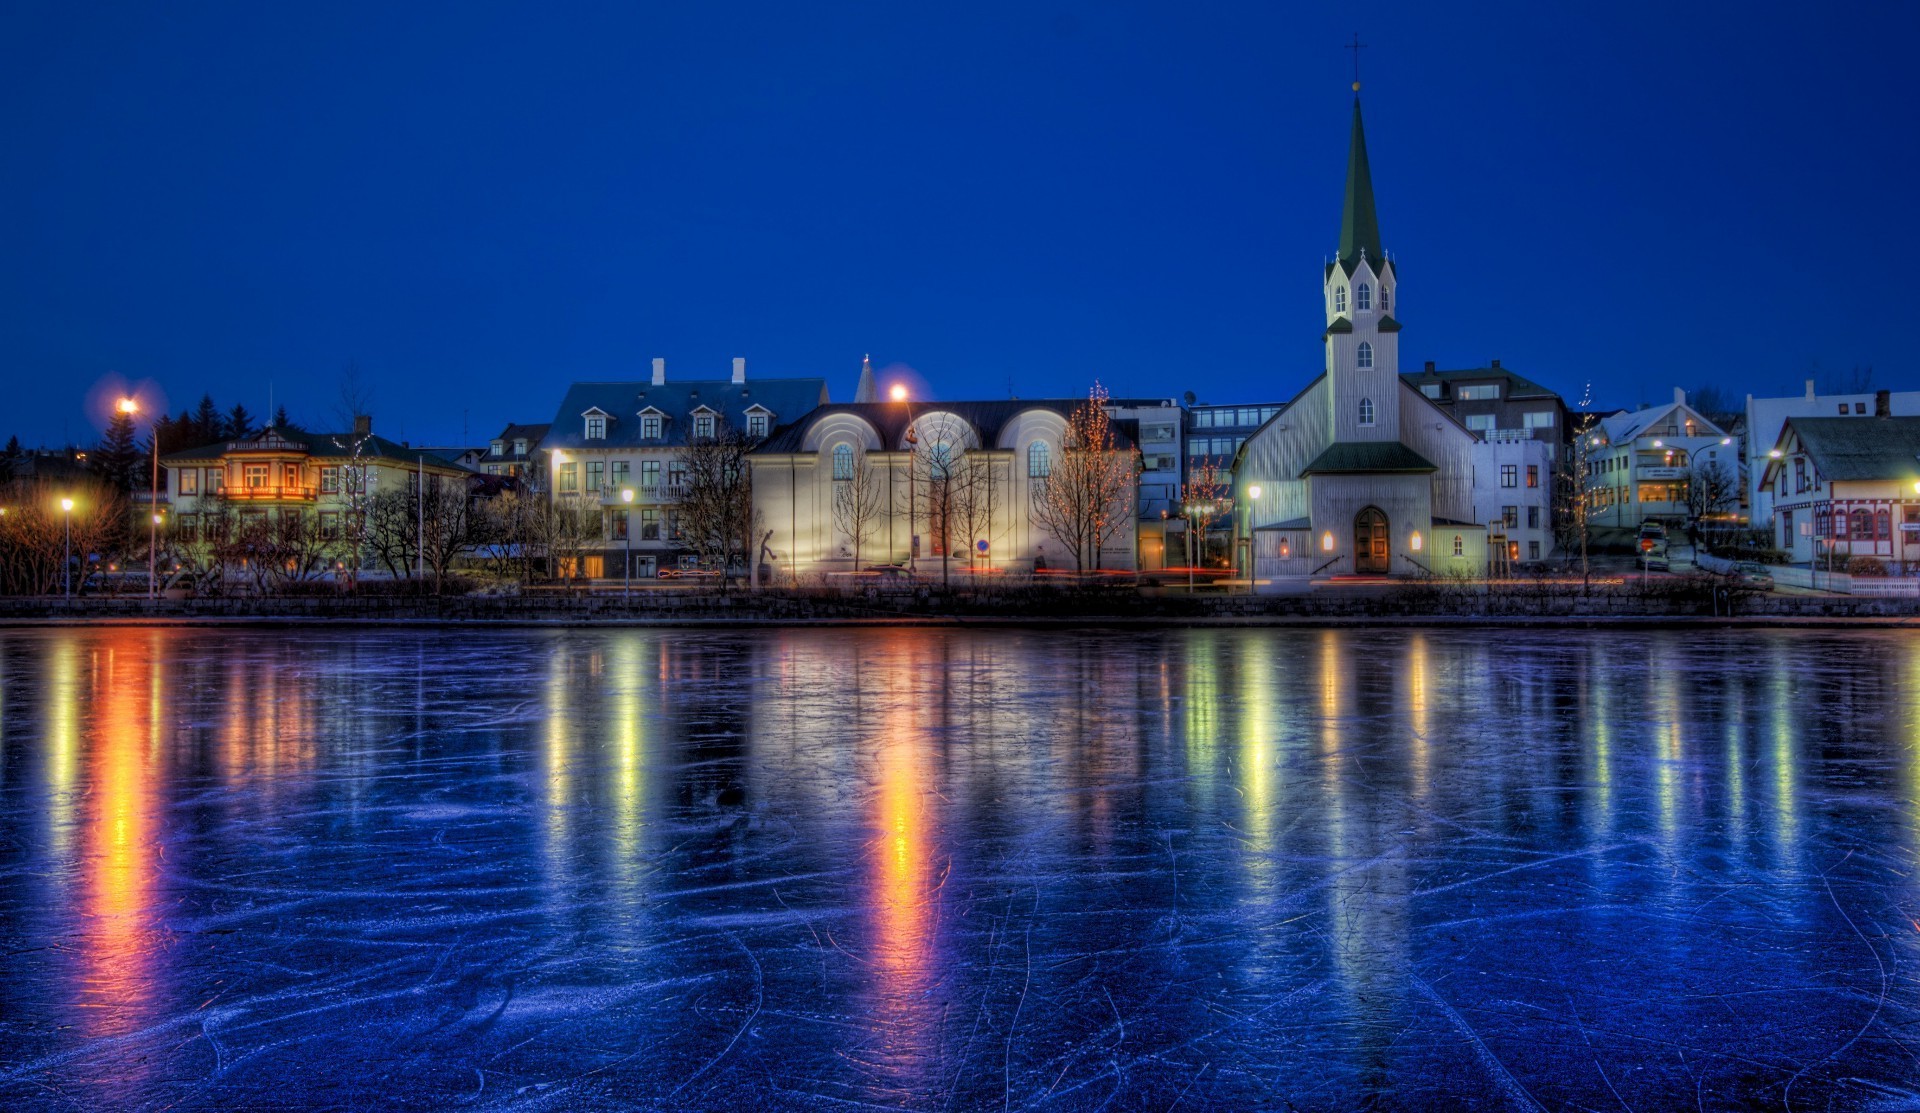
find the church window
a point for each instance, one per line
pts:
(1385, 304)
(1459, 546)
(1364, 357)
(1039, 460)
(1339, 299)
(1363, 296)
(843, 461)
(1366, 411)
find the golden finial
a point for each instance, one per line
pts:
(1356, 86)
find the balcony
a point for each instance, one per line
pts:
(1507, 436)
(270, 494)
(661, 492)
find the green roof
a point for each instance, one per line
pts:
(1340, 324)
(1861, 448)
(1518, 386)
(1359, 227)
(1347, 457)
(1388, 324)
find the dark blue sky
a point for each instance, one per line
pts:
(479, 203)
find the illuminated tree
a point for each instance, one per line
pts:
(1087, 496)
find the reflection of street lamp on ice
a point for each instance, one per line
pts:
(66, 566)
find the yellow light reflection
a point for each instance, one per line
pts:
(119, 871)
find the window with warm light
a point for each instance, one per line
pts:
(1326, 541)
(1414, 541)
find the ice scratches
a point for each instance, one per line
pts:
(1502, 1077)
(759, 997)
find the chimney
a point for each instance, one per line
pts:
(363, 425)
(1882, 404)
(1429, 367)
(1679, 396)
(739, 369)
(659, 371)
(1496, 365)
(1809, 390)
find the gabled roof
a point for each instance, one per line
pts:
(1349, 457)
(1518, 386)
(1857, 448)
(1628, 425)
(322, 446)
(889, 419)
(786, 398)
(529, 433)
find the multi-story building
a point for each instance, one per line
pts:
(616, 454)
(1154, 424)
(1493, 399)
(266, 478)
(1767, 417)
(1843, 487)
(515, 452)
(1214, 434)
(1640, 463)
(1513, 492)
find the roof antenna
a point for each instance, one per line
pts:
(1356, 46)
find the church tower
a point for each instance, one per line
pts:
(1361, 288)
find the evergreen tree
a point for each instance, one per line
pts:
(116, 457)
(207, 426)
(284, 423)
(9, 458)
(239, 424)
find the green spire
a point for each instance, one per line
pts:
(1359, 227)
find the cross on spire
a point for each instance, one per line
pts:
(1356, 46)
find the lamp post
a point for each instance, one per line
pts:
(66, 566)
(899, 394)
(1253, 497)
(626, 532)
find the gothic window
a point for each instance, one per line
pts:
(1364, 357)
(1363, 296)
(1339, 299)
(843, 461)
(1459, 546)
(1039, 460)
(1385, 300)
(1366, 411)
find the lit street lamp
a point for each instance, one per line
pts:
(1253, 495)
(66, 566)
(131, 406)
(626, 532)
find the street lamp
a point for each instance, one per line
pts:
(626, 532)
(131, 406)
(1253, 494)
(66, 566)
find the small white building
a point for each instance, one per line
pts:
(949, 488)
(1513, 491)
(1639, 463)
(1843, 487)
(1766, 418)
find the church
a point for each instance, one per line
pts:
(1360, 474)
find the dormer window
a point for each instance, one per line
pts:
(1339, 299)
(520, 448)
(596, 427)
(499, 448)
(1366, 411)
(651, 426)
(1363, 296)
(1364, 356)
(758, 423)
(703, 426)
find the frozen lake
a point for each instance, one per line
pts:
(860, 869)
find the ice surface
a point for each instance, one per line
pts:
(863, 869)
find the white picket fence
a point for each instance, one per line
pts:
(1818, 579)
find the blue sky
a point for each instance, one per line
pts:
(479, 203)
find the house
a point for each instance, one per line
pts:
(955, 487)
(1360, 473)
(1494, 401)
(1766, 418)
(514, 452)
(1155, 425)
(1642, 463)
(1842, 487)
(283, 473)
(616, 457)
(1214, 434)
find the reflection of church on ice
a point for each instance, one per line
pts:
(1360, 473)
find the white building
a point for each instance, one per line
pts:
(1842, 487)
(1360, 473)
(1513, 491)
(1767, 417)
(1640, 462)
(946, 487)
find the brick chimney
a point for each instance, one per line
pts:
(1882, 404)
(659, 371)
(1809, 390)
(1496, 365)
(1679, 396)
(1429, 367)
(739, 369)
(363, 425)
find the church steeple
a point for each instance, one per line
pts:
(865, 392)
(1359, 227)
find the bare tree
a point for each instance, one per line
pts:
(859, 502)
(716, 507)
(1711, 490)
(1574, 493)
(355, 411)
(453, 529)
(1087, 495)
(392, 532)
(1203, 501)
(37, 535)
(935, 445)
(974, 495)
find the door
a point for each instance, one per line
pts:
(1370, 542)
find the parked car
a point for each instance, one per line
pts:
(1655, 560)
(1752, 574)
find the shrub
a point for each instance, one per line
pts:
(1866, 566)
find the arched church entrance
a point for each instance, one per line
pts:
(1370, 542)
